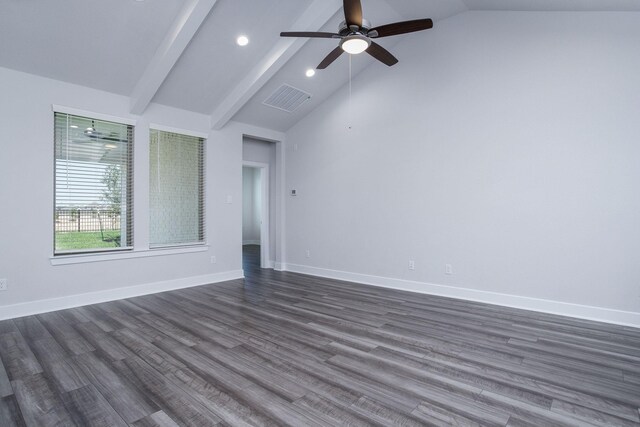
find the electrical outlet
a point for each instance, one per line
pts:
(448, 269)
(213, 259)
(308, 253)
(3, 284)
(412, 264)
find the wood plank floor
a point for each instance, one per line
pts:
(288, 349)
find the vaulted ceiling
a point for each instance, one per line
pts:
(182, 53)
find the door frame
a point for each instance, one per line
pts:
(264, 210)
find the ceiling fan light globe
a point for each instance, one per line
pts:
(355, 44)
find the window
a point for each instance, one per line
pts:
(176, 187)
(93, 185)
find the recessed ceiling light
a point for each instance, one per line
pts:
(73, 127)
(242, 41)
(310, 72)
(110, 146)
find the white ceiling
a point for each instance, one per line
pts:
(182, 53)
(554, 5)
(100, 44)
(214, 60)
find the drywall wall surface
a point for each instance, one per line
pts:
(255, 150)
(503, 143)
(26, 192)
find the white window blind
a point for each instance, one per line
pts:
(93, 207)
(176, 189)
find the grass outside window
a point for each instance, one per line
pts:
(66, 241)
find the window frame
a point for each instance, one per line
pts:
(203, 191)
(58, 109)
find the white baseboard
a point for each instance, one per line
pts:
(270, 264)
(626, 318)
(619, 317)
(53, 304)
(250, 242)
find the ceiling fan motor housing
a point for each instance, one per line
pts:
(344, 30)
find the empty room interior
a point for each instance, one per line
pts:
(320, 213)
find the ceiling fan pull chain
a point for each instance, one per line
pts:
(350, 104)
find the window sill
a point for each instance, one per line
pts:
(99, 257)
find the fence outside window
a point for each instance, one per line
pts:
(86, 219)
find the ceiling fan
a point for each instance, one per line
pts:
(91, 133)
(355, 35)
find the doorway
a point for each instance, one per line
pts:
(255, 209)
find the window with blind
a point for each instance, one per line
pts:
(93, 207)
(176, 189)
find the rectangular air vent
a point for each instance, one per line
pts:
(287, 98)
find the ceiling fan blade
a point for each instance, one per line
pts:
(402, 27)
(381, 54)
(314, 34)
(333, 55)
(353, 12)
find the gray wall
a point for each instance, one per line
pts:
(504, 144)
(26, 191)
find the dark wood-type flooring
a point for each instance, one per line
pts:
(288, 349)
